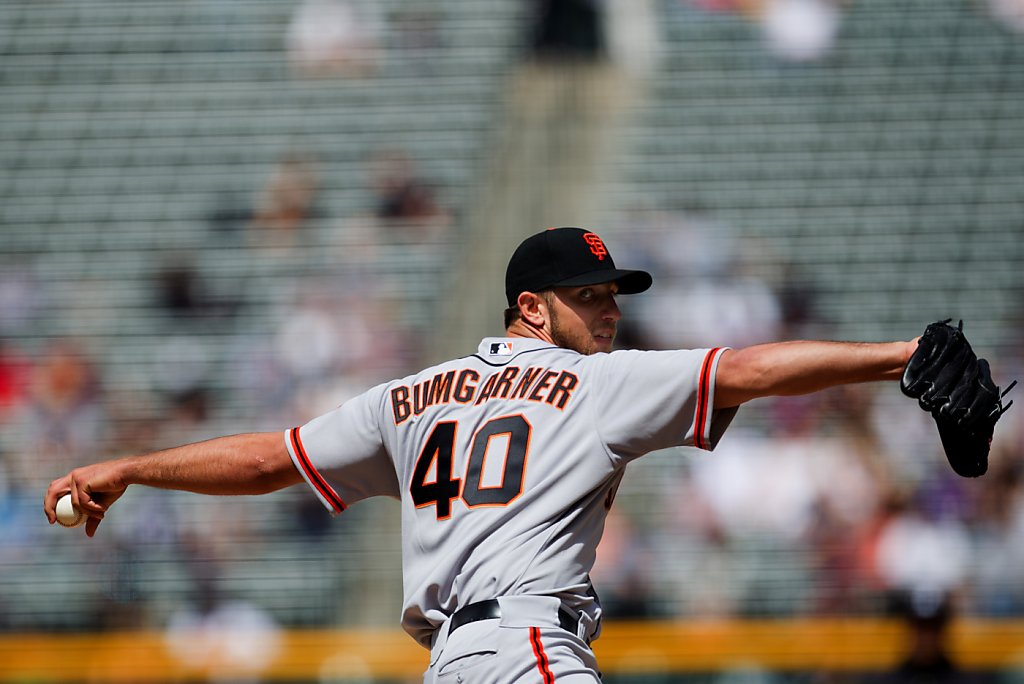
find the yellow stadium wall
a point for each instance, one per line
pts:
(841, 645)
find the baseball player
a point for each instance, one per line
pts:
(506, 461)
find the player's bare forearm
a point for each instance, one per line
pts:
(803, 367)
(255, 463)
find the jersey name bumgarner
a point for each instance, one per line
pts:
(554, 387)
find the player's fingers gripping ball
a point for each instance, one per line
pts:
(68, 515)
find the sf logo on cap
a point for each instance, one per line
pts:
(597, 247)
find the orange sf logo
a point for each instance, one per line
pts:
(596, 246)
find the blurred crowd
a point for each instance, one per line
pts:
(835, 504)
(832, 504)
(285, 312)
(838, 503)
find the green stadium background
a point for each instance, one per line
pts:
(225, 216)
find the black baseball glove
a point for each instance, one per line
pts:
(956, 387)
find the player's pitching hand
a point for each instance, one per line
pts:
(93, 490)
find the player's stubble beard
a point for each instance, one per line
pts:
(581, 342)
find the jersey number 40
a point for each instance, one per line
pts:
(438, 455)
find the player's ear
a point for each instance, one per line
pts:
(533, 308)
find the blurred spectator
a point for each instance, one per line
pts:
(14, 377)
(797, 296)
(776, 487)
(800, 30)
(333, 37)
(181, 292)
(634, 43)
(701, 278)
(223, 639)
(698, 573)
(405, 203)
(919, 553)
(119, 570)
(312, 341)
(21, 297)
(998, 535)
(927, 660)
(832, 540)
(807, 488)
(1008, 12)
(944, 495)
(330, 344)
(186, 416)
(311, 520)
(63, 418)
(622, 570)
(18, 518)
(252, 368)
(568, 30)
(632, 335)
(181, 364)
(914, 448)
(286, 203)
(794, 30)
(739, 309)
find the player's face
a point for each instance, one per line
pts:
(584, 318)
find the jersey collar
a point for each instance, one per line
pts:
(497, 349)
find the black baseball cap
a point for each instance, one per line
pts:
(566, 257)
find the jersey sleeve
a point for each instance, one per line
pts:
(659, 399)
(341, 454)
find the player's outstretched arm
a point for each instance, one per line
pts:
(255, 463)
(803, 367)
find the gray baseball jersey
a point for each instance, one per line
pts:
(506, 463)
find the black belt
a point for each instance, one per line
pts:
(491, 609)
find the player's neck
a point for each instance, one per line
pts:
(522, 328)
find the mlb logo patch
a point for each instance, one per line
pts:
(501, 349)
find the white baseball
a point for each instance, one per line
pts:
(67, 514)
